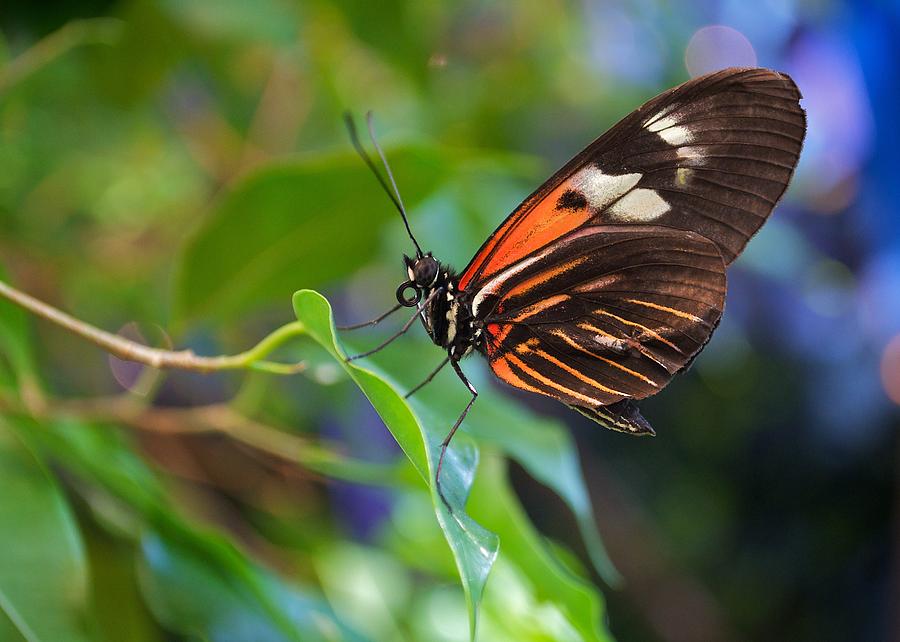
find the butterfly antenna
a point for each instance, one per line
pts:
(393, 195)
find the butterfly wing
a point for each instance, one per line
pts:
(604, 315)
(711, 156)
(622, 416)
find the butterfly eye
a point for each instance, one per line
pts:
(408, 301)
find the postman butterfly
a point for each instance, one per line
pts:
(609, 279)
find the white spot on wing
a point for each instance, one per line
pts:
(600, 189)
(611, 342)
(676, 135)
(688, 157)
(639, 206)
(670, 131)
(689, 153)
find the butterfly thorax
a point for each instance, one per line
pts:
(447, 312)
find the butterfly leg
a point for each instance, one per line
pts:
(375, 321)
(427, 379)
(446, 442)
(399, 333)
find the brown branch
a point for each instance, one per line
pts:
(58, 43)
(211, 419)
(128, 350)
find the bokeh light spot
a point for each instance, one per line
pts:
(129, 374)
(717, 47)
(327, 374)
(890, 369)
(438, 60)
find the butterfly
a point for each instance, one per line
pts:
(609, 279)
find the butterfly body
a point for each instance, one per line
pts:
(447, 317)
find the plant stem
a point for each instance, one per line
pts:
(128, 350)
(53, 46)
(220, 419)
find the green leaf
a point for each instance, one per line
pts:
(43, 573)
(291, 223)
(544, 448)
(474, 548)
(118, 608)
(530, 596)
(15, 339)
(366, 586)
(267, 20)
(129, 493)
(495, 504)
(193, 597)
(547, 451)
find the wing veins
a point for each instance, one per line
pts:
(611, 380)
(700, 168)
(651, 319)
(748, 159)
(670, 190)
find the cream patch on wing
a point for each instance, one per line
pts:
(670, 131)
(690, 153)
(638, 206)
(599, 189)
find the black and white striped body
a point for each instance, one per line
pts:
(448, 317)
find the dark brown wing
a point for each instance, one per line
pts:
(622, 416)
(712, 156)
(605, 314)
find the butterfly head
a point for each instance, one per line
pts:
(423, 273)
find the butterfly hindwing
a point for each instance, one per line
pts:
(711, 156)
(604, 314)
(622, 416)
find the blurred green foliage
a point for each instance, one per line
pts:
(184, 166)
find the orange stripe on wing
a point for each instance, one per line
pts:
(539, 307)
(603, 333)
(579, 374)
(562, 335)
(503, 371)
(529, 347)
(539, 279)
(657, 306)
(652, 333)
(531, 227)
(549, 382)
(538, 228)
(498, 334)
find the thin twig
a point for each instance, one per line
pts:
(55, 45)
(128, 350)
(213, 419)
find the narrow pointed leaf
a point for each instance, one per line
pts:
(474, 547)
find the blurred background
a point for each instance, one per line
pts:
(175, 170)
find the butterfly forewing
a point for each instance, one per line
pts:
(712, 156)
(604, 314)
